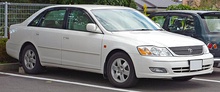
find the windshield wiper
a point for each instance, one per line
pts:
(147, 29)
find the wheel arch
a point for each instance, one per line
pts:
(23, 46)
(108, 57)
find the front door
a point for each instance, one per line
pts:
(81, 48)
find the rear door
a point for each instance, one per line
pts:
(47, 34)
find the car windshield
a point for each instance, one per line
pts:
(213, 23)
(124, 20)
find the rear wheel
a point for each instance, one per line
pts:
(187, 78)
(30, 60)
(120, 70)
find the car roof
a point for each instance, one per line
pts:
(90, 7)
(83, 6)
(187, 11)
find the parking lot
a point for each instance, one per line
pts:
(64, 80)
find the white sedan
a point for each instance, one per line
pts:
(118, 42)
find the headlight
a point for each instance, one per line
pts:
(205, 49)
(153, 51)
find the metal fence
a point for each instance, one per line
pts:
(2, 19)
(13, 13)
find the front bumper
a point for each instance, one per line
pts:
(175, 66)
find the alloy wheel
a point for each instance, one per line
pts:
(120, 70)
(30, 59)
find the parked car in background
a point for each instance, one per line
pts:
(202, 25)
(119, 42)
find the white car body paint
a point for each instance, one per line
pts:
(85, 50)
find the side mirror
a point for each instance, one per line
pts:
(93, 28)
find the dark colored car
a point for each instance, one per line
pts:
(203, 25)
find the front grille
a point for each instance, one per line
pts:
(186, 69)
(187, 50)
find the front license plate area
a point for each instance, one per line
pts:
(195, 65)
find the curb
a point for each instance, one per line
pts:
(9, 66)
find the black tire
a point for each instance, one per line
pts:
(31, 64)
(187, 78)
(127, 72)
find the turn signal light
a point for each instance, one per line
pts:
(212, 46)
(144, 51)
(215, 46)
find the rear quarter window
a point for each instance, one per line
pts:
(212, 23)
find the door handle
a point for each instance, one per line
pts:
(65, 37)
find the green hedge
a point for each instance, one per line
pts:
(4, 57)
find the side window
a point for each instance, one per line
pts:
(159, 19)
(35, 21)
(176, 23)
(189, 25)
(181, 24)
(78, 19)
(53, 19)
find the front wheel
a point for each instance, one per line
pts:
(30, 60)
(120, 70)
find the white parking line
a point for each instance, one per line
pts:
(206, 80)
(67, 82)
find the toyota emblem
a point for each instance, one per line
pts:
(190, 50)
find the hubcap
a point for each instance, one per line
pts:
(29, 59)
(120, 70)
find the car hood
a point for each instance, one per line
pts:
(158, 38)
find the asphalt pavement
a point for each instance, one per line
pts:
(65, 80)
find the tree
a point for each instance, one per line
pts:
(128, 3)
(53, 1)
(180, 7)
(15, 1)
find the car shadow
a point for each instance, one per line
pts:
(166, 85)
(74, 75)
(97, 79)
(213, 76)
